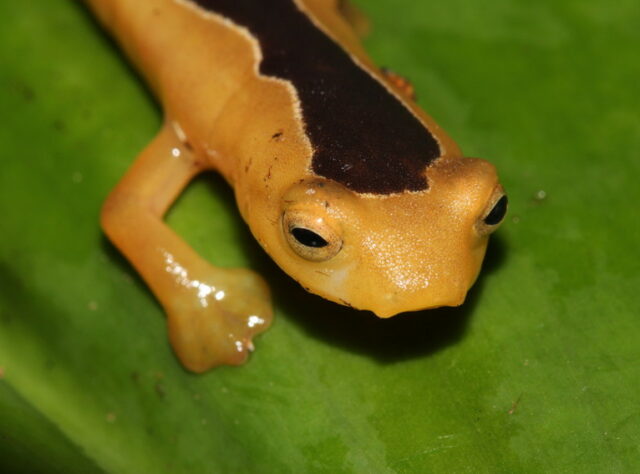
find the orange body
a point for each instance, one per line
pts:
(348, 185)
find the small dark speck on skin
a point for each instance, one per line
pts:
(346, 303)
(135, 376)
(277, 136)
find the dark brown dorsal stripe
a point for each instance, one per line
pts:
(362, 136)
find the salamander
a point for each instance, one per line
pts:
(349, 186)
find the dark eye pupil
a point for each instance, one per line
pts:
(497, 213)
(308, 238)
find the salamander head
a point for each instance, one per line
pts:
(391, 253)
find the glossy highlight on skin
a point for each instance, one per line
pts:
(373, 207)
(217, 298)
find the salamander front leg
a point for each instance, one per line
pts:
(213, 313)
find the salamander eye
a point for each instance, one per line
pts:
(308, 238)
(311, 237)
(498, 212)
(495, 214)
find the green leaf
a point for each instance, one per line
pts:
(537, 372)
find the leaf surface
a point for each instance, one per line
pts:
(537, 372)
